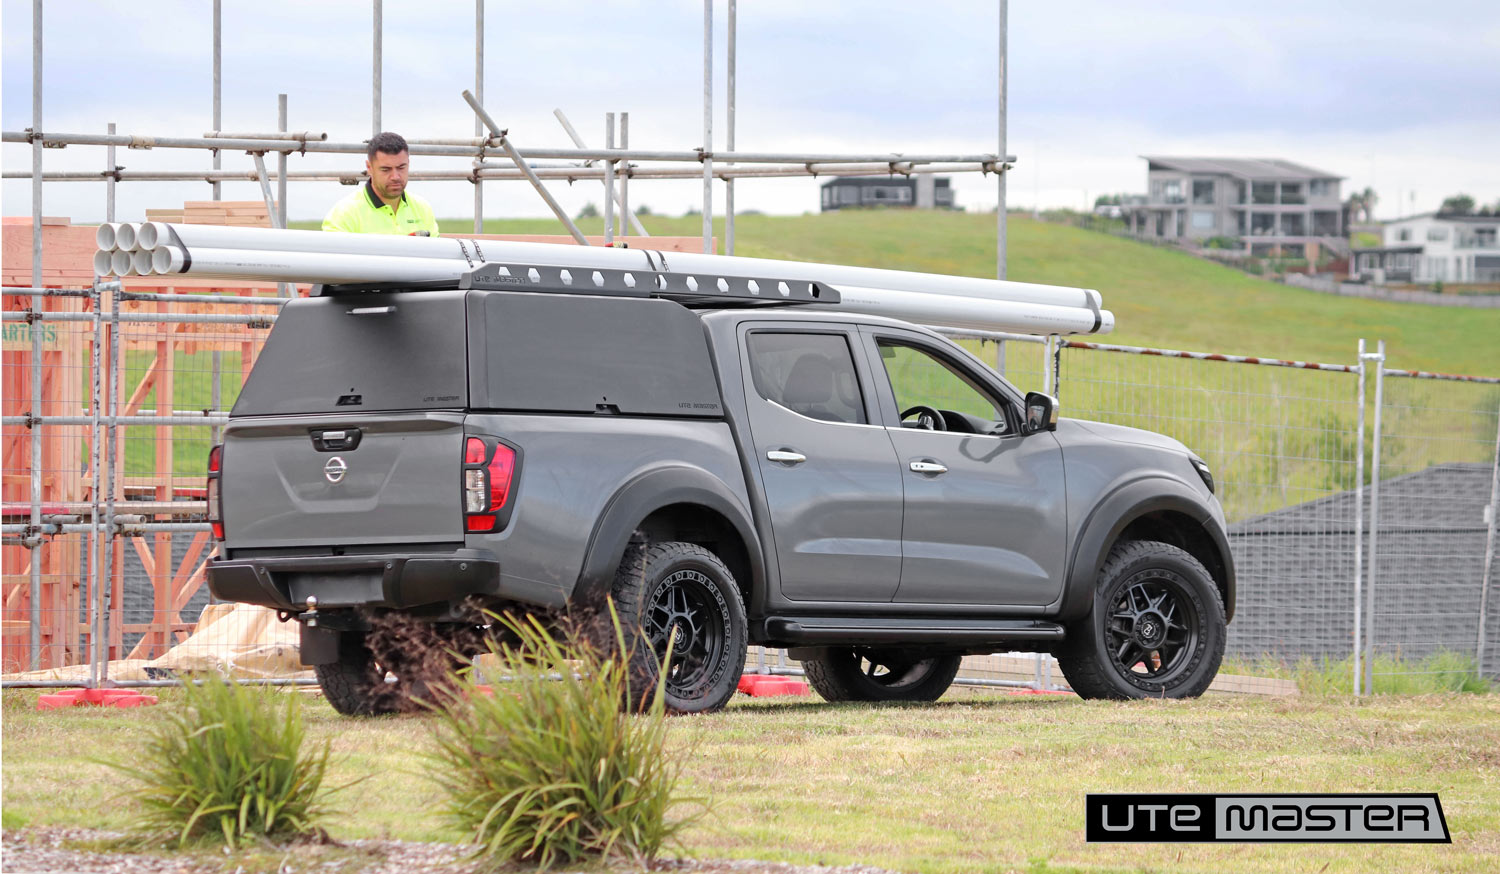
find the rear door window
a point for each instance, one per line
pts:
(357, 353)
(810, 374)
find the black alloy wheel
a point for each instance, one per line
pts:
(680, 594)
(688, 613)
(1156, 629)
(1153, 628)
(881, 674)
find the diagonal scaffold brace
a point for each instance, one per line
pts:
(520, 162)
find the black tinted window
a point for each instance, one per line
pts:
(810, 374)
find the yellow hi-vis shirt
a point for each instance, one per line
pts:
(363, 212)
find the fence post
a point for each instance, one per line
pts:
(1379, 359)
(1359, 519)
(1491, 512)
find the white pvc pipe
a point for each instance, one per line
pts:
(271, 240)
(975, 313)
(124, 237)
(104, 237)
(303, 266)
(953, 310)
(149, 234)
(104, 262)
(122, 263)
(140, 262)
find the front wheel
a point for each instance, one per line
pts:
(871, 674)
(1156, 629)
(682, 594)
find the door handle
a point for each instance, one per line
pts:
(928, 467)
(786, 456)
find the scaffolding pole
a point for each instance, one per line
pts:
(479, 96)
(729, 135)
(218, 85)
(376, 59)
(35, 613)
(1000, 216)
(708, 126)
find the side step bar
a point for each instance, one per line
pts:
(838, 630)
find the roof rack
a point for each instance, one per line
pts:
(688, 289)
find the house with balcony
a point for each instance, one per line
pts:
(1270, 205)
(920, 190)
(1433, 247)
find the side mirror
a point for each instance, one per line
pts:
(1041, 413)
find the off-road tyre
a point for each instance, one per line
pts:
(868, 674)
(1156, 628)
(355, 685)
(664, 585)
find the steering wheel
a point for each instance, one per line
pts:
(927, 417)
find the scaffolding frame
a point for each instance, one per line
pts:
(492, 158)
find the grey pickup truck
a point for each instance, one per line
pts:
(731, 465)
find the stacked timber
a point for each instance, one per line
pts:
(230, 213)
(233, 213)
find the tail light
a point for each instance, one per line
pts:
(215, 502)
(489, 472)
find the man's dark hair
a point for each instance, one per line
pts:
(387, 142)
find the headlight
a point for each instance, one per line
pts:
(1208, 478)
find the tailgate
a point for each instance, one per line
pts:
(289, 482)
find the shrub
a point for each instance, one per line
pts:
(229, 763)
(548, 767)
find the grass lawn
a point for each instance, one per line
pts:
(979, 781)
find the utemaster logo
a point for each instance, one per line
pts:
(1341, 818)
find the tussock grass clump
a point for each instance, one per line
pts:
(228, 764)
(547, 766)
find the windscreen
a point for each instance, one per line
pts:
(389, 351)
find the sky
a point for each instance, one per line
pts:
(1401, 97)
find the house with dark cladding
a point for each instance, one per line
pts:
(1296, 571)
(922, 191)
(1270, 205)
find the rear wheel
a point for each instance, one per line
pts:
(681, 592)
(1156, 629)
(866, 674)
(355, 684)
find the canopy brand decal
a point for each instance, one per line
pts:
(1414, 818)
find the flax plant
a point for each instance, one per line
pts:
(229, 764)
(546, 766)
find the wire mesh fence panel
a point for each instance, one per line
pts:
(45, 593)
(1282, 445)
(1436, 469)
(167, 622)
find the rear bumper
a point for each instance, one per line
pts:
(397, 581)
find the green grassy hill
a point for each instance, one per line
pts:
(1159, 297)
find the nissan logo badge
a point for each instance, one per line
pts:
(335, 469)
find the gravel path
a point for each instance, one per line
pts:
(48, 850)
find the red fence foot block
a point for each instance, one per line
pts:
(765, 686)
(96, 697)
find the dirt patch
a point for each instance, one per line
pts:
(49, 850)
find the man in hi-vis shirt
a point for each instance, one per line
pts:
(383, 205)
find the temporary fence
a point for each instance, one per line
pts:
(1359, 497)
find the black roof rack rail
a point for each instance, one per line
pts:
(688, 289)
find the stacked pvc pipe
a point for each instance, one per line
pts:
(316, 256)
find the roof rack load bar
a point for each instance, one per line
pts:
(371, 262)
